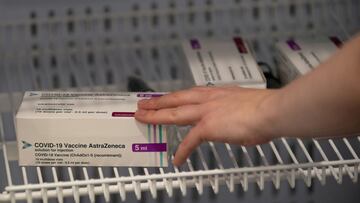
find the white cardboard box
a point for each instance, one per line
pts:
(223, 62)
(300, 56)
(87, 129)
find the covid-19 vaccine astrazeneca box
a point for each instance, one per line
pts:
(87, 129)
(300, 56)
(223, 62)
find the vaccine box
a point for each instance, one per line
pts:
(223, 62)
(87, 129)
(300, 56)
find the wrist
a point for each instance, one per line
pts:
(270, 112)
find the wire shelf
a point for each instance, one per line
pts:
(97, 46)
(284, 159)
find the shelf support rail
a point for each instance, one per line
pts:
(180, 179)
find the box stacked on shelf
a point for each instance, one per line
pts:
(300, 56)
(223, 62)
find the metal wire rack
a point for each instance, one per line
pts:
(278, 161)
(94, 47)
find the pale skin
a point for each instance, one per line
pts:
(323, 103)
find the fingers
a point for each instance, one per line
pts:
(188, 145)
(182, 97)
(195, 95)
(182, 115)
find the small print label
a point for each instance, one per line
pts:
(152, 147)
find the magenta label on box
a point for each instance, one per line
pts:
(122, 114)
(336, 41)
(240, 45)
(149, 95)
(293, 45)
(149, 147)
(195, 44)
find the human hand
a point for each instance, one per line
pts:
(222, 114)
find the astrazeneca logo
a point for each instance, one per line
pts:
(26, 144)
